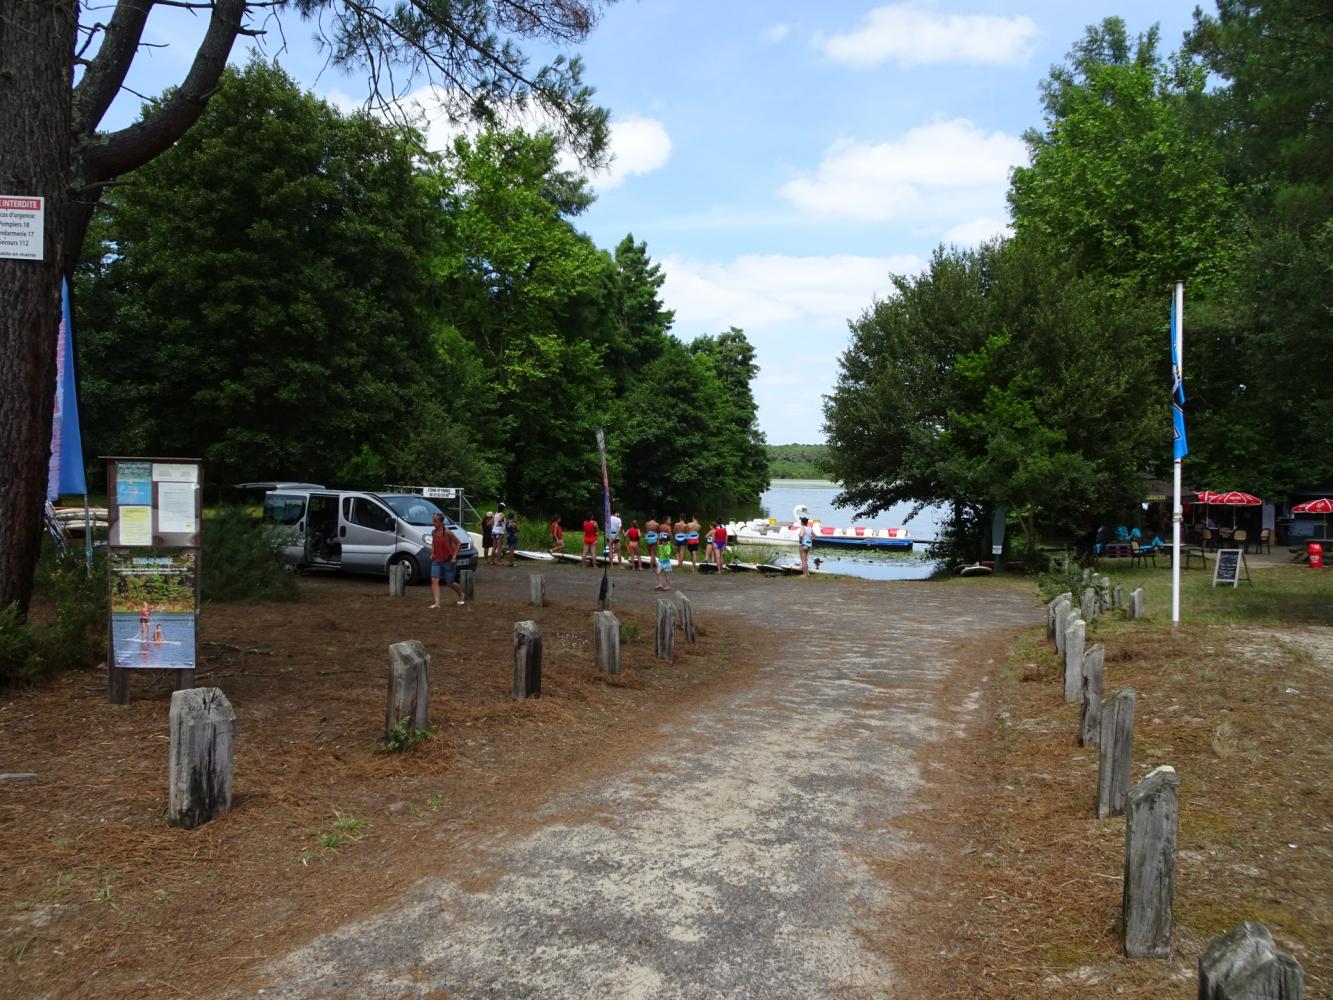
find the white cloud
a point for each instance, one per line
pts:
(875, 182)
(910, 35)
(777, 32)
(755, 292)
(976, 231)
(638, 146)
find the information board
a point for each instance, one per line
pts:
(1228, 567)
(22, 227)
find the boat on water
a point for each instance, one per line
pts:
(763, 531)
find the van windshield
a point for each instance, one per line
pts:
(414, 510)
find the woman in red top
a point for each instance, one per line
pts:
(720, 542)
(557, 536)
(632, 541)
(589, 542)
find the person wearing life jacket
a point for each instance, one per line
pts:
(679, 536)
(692, 539)
(805, 536)
(720, 543)
(650, 539)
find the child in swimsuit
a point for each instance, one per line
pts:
(632, 543)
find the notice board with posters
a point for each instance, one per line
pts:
(1229, 566)
(155, 518)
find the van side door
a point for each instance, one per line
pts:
(371, 538)
(284, 514)
(323, 540)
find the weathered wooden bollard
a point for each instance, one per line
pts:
(527, 661)
(606, 641)
(1050, 613)
(1117, 598)
(536, 590)
(1245, 964)
(398, 579)
(1075, 637)
(665, 646)
(1088, 605)
(203, 751)
(1136, 603)
(467, 580)
(1064, 614)
(1115, 743)
(409, 687)
(1094, 674)
(686, 617)
(607, 601)
(1152, 816)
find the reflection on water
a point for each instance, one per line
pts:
(784, 494)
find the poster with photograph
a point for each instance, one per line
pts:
(153, 608)
(134, 487)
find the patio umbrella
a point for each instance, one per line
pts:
(1233, 500)
(1321, 506)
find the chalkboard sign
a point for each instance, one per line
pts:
(1228, 567)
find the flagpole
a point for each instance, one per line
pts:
(1177, 511)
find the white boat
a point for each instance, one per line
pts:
(769, 532)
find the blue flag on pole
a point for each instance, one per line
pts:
(1177, 389)
(65, 473)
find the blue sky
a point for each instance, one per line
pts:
(781, 159)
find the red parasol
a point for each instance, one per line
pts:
(1321, 506)
(1231, 499)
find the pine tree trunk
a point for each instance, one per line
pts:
(36, 40)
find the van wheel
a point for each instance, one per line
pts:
(412, 574)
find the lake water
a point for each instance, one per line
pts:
(175, 652)
(784, 494)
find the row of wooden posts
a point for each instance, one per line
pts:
(203, 723)
(1241, 965)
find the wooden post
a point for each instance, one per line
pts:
(1136, 603)
(609, 601)
(398, 579)
(1075, 636)
(537, 590)
(665, 645)
(1152, 815)
(686, 617)
(1063, 612)
(1245, 964)
(1088, 605)
(1115, 741)
(1117, 598)
(527, 661)
(1094, 674)
(1051, 615)
(203, 751)
(409, 686)
(606, 641)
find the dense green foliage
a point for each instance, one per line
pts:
(243, 560)
(797, 461)
(67, 631)
(292, 293)
(1034, 374)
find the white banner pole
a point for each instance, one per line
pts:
(1177, 511)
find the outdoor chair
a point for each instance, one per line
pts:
(1241, 537)
(1265, 541)
(1209, 540)
(1139, 555)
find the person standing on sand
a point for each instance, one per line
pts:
(498, 535)
(632, 544)
(720, 543)
(557, 537)
(589, 542)
(805, 536)
(511, 535)
(486, 523)
(664, 554)
(443, 559)
(650, 540)
(613, 537)
(692, 540)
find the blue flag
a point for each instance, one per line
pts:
(1177, 390)
(65, 473)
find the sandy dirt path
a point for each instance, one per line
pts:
(728, 861)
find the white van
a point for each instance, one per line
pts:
(358, 531)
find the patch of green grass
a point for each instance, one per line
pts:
(629, 633)
(435, 802)
(346, 823)
(402, 738)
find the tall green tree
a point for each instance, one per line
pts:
(736, 424)
(1118, 182)
(996, 377)
(257, 296)
(55, 148)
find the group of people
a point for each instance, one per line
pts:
(664, 542)
(499, 535)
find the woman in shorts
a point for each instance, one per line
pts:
(632, 543)
(720, 543)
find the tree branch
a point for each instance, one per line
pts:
(105, 156)
(107, 71)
